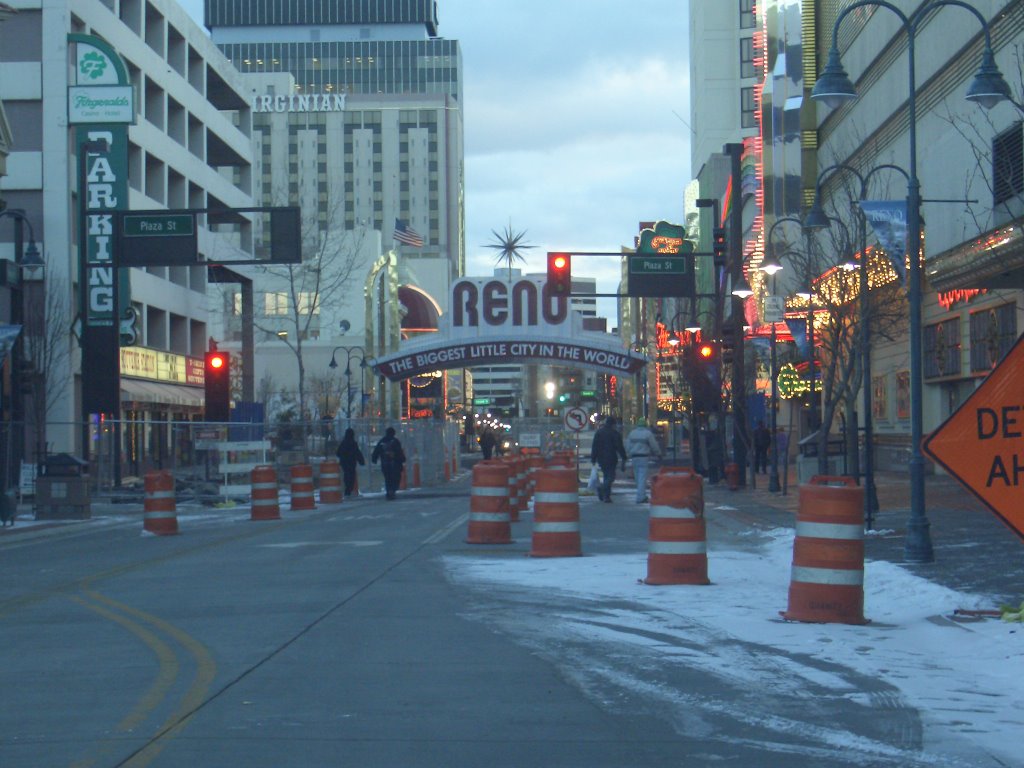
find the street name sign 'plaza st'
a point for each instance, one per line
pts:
(982, 443)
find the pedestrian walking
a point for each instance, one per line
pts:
(762, 442)
(487, 442)
(605, 452)
(391, 456)
(641, 446)
(349, 456)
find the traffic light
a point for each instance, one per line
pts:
(703, 364)
(217, 378)
(559, 274)
(719, 244)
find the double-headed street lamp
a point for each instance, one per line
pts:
(348, 372)
(771, 266)
(817, 219)
(988, 89)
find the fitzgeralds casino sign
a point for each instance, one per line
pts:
(494, 322)
(102, 152)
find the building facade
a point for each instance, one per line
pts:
(189, 147)
(970, 166)
(357, 119)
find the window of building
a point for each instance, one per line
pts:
(275, 303)
(747, 18)
(993, 332)
(747, 57)
(1008, 164)
(880, 397)
(748, 108)
(942, 349)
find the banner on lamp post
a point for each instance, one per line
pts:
(888, 219)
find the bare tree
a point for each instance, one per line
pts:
(294, 294)
(47, 351)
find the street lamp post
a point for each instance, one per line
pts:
(987, 89)
(348, 372)
(818, 219)
(28, 261)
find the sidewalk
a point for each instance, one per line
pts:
(974, 550)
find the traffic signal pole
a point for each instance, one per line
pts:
(740, 439)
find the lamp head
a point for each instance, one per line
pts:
(743, 289)
(333, 363)
(833, 86)
(816, 217)
(989, 87)
(771, 264)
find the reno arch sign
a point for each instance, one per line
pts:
(492, 322)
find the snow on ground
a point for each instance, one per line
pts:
(963, 678)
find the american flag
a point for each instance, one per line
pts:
(407, 235)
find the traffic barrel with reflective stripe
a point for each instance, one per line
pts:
(556, 514)
(515, 502)
(330, 482)
(489, 518)
(827, 580)
(302, 487)
(264, 494)
(160, 509)
(678, 549)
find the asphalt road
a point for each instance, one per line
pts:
(330, 638)
(334, 637)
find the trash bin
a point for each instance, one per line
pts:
(807, 457)
(62, 491)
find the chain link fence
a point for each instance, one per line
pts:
(212, 461)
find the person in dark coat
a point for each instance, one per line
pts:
(762, 442)
(606, 451)
(487, 442)
(348, 456)
(391, 456)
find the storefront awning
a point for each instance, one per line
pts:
(140, 391)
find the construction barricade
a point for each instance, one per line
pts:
(827, 580)
(556, 514)
(489, 518)
(302, 487)
(160, 509)
(330, 482)
(515, 501)
(264, 498)
(678, 550)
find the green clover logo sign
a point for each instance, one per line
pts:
(92, 65)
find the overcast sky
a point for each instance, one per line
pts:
(574, 122)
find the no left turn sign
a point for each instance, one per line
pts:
(575, 419)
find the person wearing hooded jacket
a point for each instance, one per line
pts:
(391, 456)
(605, 452)
(642, 445)
(348, 456)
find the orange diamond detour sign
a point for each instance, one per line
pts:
(982, 443)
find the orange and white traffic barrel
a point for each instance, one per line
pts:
(489, 518)
(556, 514)
(515, 503)
(302, 487)
(330, 482)
(678, 549)
(827, 580)
(264, 494)
(160, 509)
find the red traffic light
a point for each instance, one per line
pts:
(706, 351)
(559, 273)
(217, 380)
